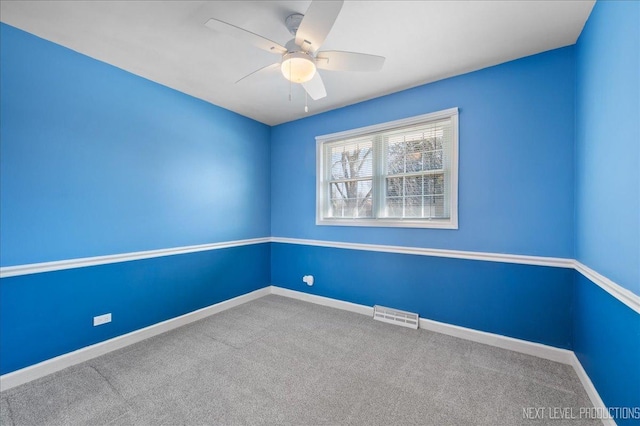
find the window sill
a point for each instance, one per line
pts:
(391, 223)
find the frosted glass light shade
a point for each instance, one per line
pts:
(298, 67)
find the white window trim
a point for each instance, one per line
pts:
(451, 223)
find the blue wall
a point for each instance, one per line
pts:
(516, 160)
(606, 340)
(607, 235)
(521, 301)
(49, 314)
(608, 143)
(515, 196)
(96, 161)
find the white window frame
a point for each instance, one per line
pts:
(378, 178)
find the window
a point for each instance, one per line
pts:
(402, 173)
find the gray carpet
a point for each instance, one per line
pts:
(281, 361)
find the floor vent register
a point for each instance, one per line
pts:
(395, 316)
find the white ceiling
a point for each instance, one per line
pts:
(423, 41)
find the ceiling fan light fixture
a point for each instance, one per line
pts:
(298, 67)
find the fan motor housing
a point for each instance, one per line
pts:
(293, 22)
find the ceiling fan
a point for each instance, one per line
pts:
(301, 57)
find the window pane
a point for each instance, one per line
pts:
(394, 187)
(414, 143)
(415, 196)
(434, 184)
(439, 140)
(434, 206)
(409, 155)
(433, 160)
(413, 185)
(415, 151)
(413, 162)
(351, 160)
(351, 199)
(395, 206)
(413, 207)
(395, 158)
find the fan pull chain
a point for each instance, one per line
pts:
(290, 83)
(306, 108)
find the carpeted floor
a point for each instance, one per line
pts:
(281, 361)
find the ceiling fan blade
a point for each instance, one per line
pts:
(315, 87)
(334, 60)
(246, 36)
(268, 67)
(316, 24)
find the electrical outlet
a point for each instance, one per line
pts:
(101, 319)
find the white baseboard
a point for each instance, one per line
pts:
(324, 301)
(588, 386)
(36, 371)
(539, 350)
